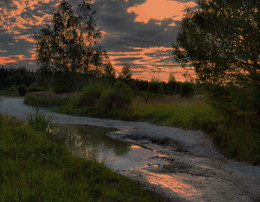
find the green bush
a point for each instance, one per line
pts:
(90, 95)
(63, 82)
(22, 90)
(36, 88)
(114, 100)
(155, 86)
(187, 90)
(12, 91)
(172, 87)
(122, 87)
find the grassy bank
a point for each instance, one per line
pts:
(34, 168)
(46, 99)
(188, 113)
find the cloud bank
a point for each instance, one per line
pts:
(139, 32)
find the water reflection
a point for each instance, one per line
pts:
(91, 142)
(174, 183)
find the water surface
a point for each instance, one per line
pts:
(91, 142)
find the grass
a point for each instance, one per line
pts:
(46, 99)
(39, 121)
(188, 113)
(12, 91)
(34, 168)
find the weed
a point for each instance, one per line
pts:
(39, 121)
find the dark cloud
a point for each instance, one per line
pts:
(124, 32)
(124, 39)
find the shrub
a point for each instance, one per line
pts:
(114, 100)
(123, 88)
(11, 91)
(172, 87)
(90, 95)
(156, 86)
(187, 90)
(63, 82)
(22, 90)
(35, 88)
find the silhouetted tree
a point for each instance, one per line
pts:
(221, 39)
(126, 73)
(109, 70)
(172, 85)
(70, 43)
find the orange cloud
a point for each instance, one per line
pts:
(148, 63)
(11, 59)
(160, 10)
(33, 54)
(11, 17)
(27, 37)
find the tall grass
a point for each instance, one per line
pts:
(34, 168)
(185, 113)
(39, 121)
(46, 99)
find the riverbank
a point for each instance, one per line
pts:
(34, 168)
(194, 162)
(240, 143)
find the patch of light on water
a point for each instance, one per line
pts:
(174, 183)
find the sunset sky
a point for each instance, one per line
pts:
(139, 32)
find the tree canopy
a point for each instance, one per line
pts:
(126, 73)
(221, 40)
(70, 43)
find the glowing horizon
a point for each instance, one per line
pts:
(139, 34)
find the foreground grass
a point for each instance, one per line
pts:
(34, 168)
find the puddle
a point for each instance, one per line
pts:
(92, 143)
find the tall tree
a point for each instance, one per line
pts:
(109, 70)
(126, 73)
(172, 84)
(70, 43)
(221, 39)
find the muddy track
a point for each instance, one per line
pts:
(194, 169)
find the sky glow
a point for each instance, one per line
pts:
(139, 32)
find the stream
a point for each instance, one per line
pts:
(91, 142)
(182, 165)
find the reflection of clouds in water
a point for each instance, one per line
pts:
(174, 183)
(92, 143)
